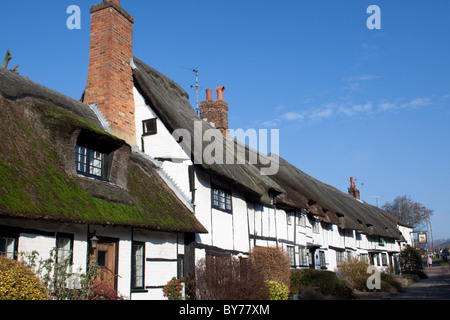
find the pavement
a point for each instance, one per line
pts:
(436, 287)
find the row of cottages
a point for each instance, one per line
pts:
(134, 177)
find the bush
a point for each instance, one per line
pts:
(354, 273)
(173, 290)
(325, 282)
(390, 283)
(273, 263)
(17, 282)
(278, 291)
(229, 278)
(410, 262)
(104, 291)
(62, 284)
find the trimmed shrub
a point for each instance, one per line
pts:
(17, 282)
(325, 282)
(410, 262)
(273, 263)
(354, 273)
(229, 278)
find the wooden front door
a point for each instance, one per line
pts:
(106, 256)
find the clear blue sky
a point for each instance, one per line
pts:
(349, 101)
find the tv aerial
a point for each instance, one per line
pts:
(376, 198)
(196, 86)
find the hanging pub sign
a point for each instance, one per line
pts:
(422, 238)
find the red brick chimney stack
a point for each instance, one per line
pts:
(215, 111)
(352, 190)
(110, 77)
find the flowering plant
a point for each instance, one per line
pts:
(278, 291)
(173, 289)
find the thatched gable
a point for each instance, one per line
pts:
(39, 128)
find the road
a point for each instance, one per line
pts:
(436, 287)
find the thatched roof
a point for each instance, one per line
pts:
(330, 204)
(295, 188)
(36, 154)
(171, 104)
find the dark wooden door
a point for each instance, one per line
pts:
(106, 255)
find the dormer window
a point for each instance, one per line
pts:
(93, 156)
(90, 162)
(221, 200)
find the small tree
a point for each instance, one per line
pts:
(410, 261)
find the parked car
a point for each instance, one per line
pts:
(446, 256)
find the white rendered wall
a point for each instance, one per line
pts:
(162, 145)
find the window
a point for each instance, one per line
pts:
(64, 244)
(221, 200)
(291, 254)
(180, 271)
(323, 263)
(340, 257)
(289, 219)
(315, 226)
(149, 127)
(384, 259)
(89, 162)
(64, 257)
(364, 257)
(303, 256)
(376, 259)
(349, 255)
(137, 270)
(102, 258)
(302, 220)
(8, 247)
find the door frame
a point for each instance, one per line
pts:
(115, 241)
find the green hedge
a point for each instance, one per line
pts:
(325, 282)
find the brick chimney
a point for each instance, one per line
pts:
(110, 77)
(352, 190)
(215, 111)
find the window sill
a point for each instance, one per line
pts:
(223, 210)
(138, 291)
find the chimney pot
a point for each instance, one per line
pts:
(208, 94)
(220, 91)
